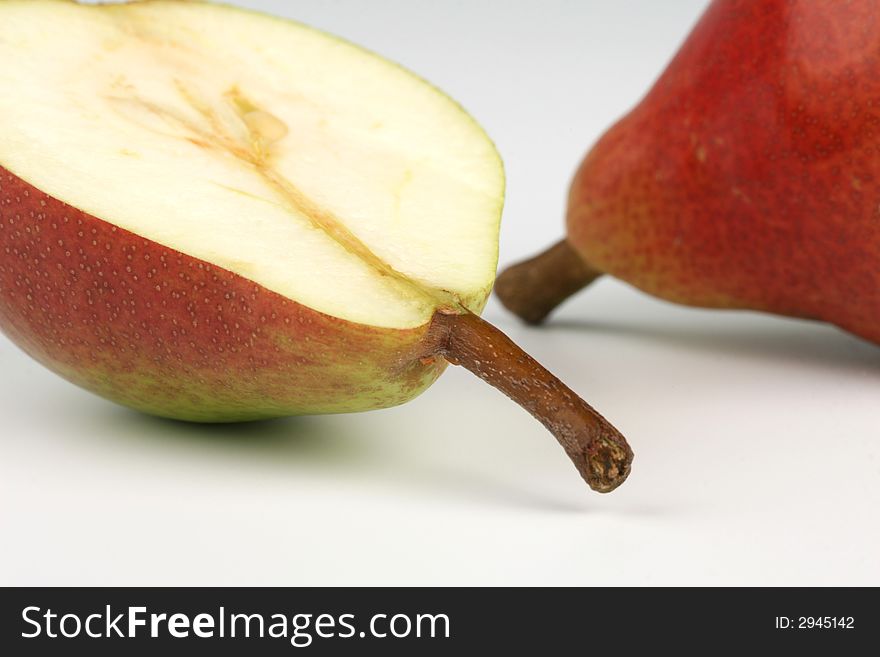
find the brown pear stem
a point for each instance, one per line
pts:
(599, 452)
(533, 288)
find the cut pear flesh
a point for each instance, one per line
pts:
(305, 164)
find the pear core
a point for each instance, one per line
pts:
(305, 164)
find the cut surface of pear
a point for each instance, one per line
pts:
(292, 158)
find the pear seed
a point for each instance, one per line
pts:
(267, 126)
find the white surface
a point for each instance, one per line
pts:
(757, 440)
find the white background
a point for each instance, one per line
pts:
(757, 439)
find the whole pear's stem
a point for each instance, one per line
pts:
(599, 452)
(533, 288)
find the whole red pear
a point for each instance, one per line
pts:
(748, 177)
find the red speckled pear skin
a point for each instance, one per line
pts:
(165, 333)
(749, 176)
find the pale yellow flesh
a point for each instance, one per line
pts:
(303, 163)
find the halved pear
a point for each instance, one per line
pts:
(215, 215)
